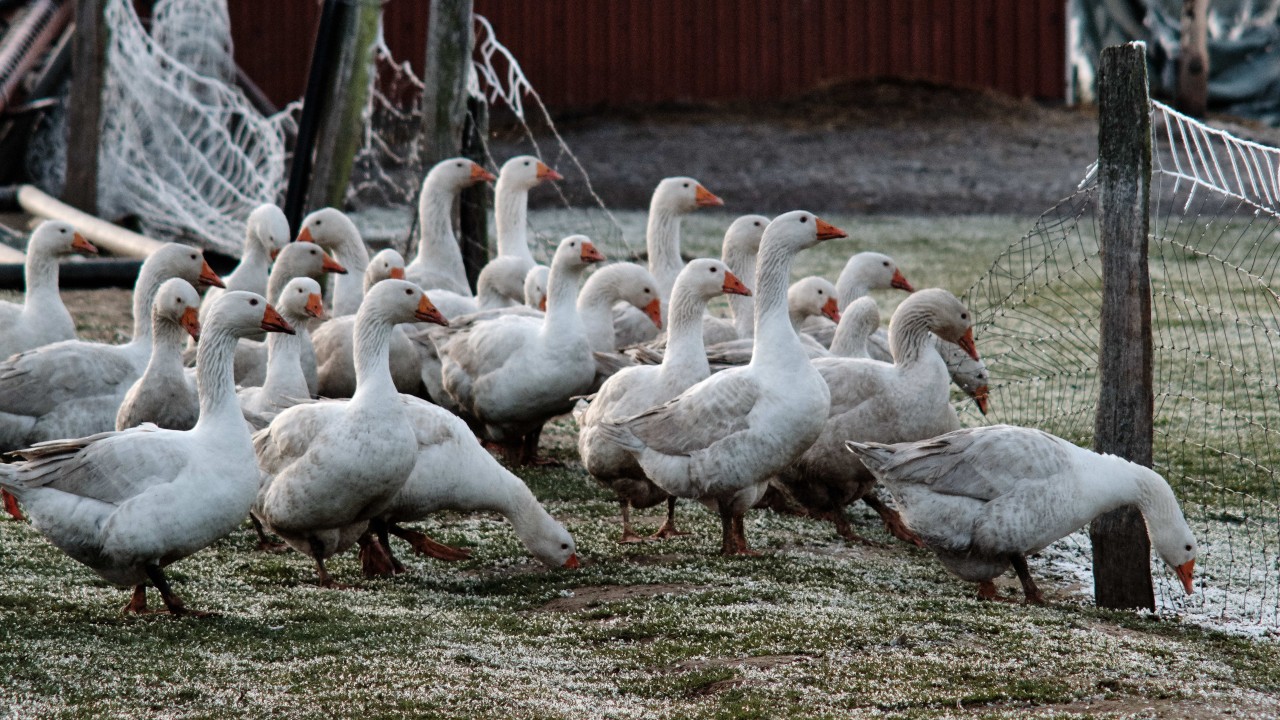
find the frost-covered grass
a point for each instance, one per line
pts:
(814, 628)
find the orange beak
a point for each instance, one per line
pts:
(827, 231)
(331, 265)
(980, 397)
(704, 198)
(542, 304)
(831, 309)
(272, 322)
(479, 174)
(397, 273)
(305, 235)
(11, 505)
(427, 312)
(733, 286)
(654, 311)
(900, 281)
(275, 252)
(590, 254)
(1184, 574)
(966, 343)
(545, 173)
(80, 244)
(208, 276)
(572, 563)
(315, 306)
(190, 321)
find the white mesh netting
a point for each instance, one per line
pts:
(1213, 254)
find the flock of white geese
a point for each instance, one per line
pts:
(360, 413)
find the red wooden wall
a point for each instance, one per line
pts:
(584, 53)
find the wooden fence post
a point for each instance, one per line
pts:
(1193, 59)
(84, 117)
(1121, 549)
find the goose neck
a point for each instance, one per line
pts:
(909, 334)
(849, 289)
(372, 356)
(438, 246)
(251, 271)
(743, 264)
(40, 276)
(144, 296)
(775, 337)
(662, 238)
(685, 348)
(284, 364)
(215, 378)
(562, 295)
(511, 220)
(166, 346)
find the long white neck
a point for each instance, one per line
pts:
(438, 247)
(144, 296)
(348, 289)
(562, 294)
(284, 363)
(850, 339)
(742, 262)
(1156, 500)
(511, 208)
(686, 353)
(909, 335)
(41, 278)
(251, 273)
(166, 349)
(850, 287)
(662, 238)
(372, 351)
(776, 342)
(595, 308)
(215, 381)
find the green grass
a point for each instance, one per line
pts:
(814, 628)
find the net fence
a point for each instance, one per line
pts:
(1213, 251)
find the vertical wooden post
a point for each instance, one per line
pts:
(1121, 549)
(312, 106)
(1193, 59)
(88, 75)
(474, 201)
(347, 92)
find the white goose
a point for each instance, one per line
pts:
(862, 273)
(332, 230)
(638, 388)
(741, 243)
(438, 264)
(721, 440)
(73, 388)
(166, 395)
(505, 274)
(300, 259)
(331, 466)
(535, 287)
(807, 298)
(285, 385)
(335, 342)
(876, 401)
(620, 282)
(674, 198)
(129, 503)
(266, 233)
(984, 498)
(42, 318)
(454, 472)
(513, 373)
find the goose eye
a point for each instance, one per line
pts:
(1188, 548)
(804, 219)
(193, 257)
(63, 231)
(318, 223)
(886, 263)
(459, 164)
(565, 546)
(526, 163)
(964, 316)
(686, 184)
(253, 301)
(757, 223)
(408, 291)
(819, 292)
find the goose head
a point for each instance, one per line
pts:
(576, 252)
(948, 318)
(798, 230)
(55, 238)
(332, 230)
(386, 265)
(301, 301)
(968, 374)
(707, 278)
(178, 303)
(743, 236)
(183, 261)
(863, 315)
(629, 283)
(813, 296)
(243, 313)
(549, 542)
(305, 259)
(1171, 537)
(525, 172)
(535, 287)
(682, 195)
(268, 227)
(454, 174)
(866, 271)
(400, 301)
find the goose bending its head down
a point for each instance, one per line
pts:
(722, 439)
(985, 498)
(42, 318)
(131, 502)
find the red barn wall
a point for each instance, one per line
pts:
(585, 53)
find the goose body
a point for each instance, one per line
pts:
(984, 498)
(512, 373)
(722, 439)
(166, 394)
(41, 319)
(129, 503)
(438, 264)
(74, 388)
(331, 466)
(635, 389)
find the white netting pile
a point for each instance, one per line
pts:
(1213, 253)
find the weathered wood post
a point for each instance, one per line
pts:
(1121, 550)
(1193, 59)
(450, 42)
(84, 116)
(312, 106)
(473, 211)
(347, 92)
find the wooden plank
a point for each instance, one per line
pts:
(88, 73)
(1121, 549)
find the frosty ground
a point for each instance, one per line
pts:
(814, 628)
